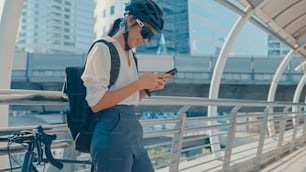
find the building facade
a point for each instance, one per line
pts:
(276, 48)
(175, 32)
(105, 13)
(176, 29)
(56, 26)
(192, 27)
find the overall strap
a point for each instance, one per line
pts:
(135, 59)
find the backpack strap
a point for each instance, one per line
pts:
(115, 60)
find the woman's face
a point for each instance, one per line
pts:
(136, 38)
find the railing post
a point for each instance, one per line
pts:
(281, 133)
(230, 140)
(261, 138)
(68, 167)
(295, 127)
(304, 127)
(71, 153)
(177, 141)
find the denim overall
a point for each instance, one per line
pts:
(117, 143)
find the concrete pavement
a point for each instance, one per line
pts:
(295, 162)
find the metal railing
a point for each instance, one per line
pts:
(177, 129)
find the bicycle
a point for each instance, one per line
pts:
(37, 140)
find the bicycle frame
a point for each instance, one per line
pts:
(27, 165)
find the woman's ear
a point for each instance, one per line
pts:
(131, 20)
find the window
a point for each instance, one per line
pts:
(274, 53)
(284, 52)
(67, 10)
(274, 44)
(56, 14)
(66, 36)
(104, 13)
(69, 44)
(67, 3)
(104, 29)
(56, 7)
(66, 23)
(112, 10)
(22, 34)
(67, 16)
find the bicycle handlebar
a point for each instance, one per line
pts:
(18, 138)
(37, 137)
(5, 138)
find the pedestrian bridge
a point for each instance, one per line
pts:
(193, 134)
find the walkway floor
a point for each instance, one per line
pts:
(295, 162)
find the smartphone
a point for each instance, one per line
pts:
(172, 71)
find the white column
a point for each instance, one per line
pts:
(274, 84)
(218, 72)
(10, 14)
(10, 11)
(296, 97)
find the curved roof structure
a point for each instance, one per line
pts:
(285, 18)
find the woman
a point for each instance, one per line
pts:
(117, 144)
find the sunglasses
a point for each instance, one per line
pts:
(145, 32)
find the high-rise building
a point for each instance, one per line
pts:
(175, 31)
(105, 13)
(50, 26)
(276, 48)
(193, 27)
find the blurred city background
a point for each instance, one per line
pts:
(54, 34)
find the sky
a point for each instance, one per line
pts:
(210, 24)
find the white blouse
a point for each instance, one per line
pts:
(96, 75)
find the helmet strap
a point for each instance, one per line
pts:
(126, 37)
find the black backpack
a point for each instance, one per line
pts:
(80, 119)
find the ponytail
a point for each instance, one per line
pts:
(115, 27)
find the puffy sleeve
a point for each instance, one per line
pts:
(96, 75)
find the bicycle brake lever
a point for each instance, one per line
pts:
(47, 140)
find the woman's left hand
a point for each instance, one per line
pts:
(162, 81)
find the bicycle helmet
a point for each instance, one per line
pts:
(146, 11)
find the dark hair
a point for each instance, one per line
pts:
(146, 11)
(115, 27)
